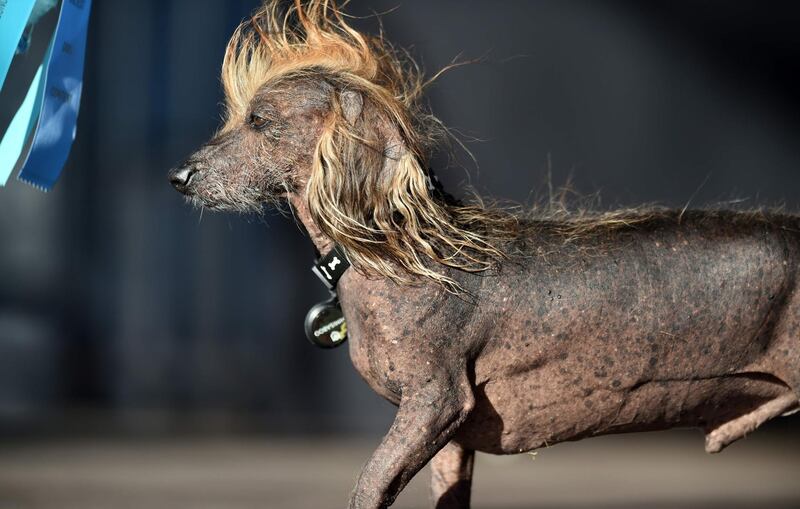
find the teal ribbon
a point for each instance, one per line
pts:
(14, 15)
(24, 122)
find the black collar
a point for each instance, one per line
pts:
(331, 267)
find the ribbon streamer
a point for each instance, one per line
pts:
(14, 16)
(60, 94)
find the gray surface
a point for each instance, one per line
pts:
(667, 470)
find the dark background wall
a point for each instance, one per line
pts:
(123, 309)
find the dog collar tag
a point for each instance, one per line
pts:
(330, 268)
(325, 325)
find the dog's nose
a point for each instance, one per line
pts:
(181, 177)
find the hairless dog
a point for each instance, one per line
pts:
(492, 330)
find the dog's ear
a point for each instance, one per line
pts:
(368, 192)
(352, 104)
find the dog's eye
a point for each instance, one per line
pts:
(257, 122)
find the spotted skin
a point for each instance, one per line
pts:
(686, 319)
(674, 323)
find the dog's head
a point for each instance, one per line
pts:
(264, 151)
(326, 116)
(306, 97)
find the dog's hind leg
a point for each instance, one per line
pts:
(731, 431)
(451, 477)
(430, 413)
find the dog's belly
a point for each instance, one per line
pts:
(529, 411)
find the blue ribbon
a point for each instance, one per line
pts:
(53, 137)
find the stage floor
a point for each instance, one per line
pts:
(664, 470)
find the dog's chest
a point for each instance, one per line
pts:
(371, 353)
(391, 332)
(377, 338)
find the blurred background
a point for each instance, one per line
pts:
(134, 329)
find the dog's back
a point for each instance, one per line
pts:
(678, 320)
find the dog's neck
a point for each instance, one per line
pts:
(321, 242)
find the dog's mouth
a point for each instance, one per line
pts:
(210, 191)
(216, 198)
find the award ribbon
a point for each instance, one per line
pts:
(13, 18)
(14, 15)
(22, 124)
(59, 95)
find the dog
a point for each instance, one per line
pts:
(492, 330)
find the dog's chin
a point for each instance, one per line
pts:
(242, 203)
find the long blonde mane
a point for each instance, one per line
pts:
(389, 225)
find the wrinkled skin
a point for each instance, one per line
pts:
(685, 320)
(243, 168)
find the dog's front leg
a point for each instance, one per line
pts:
(451, 477)
(428, 417)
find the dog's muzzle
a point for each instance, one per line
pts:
(181, 177)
